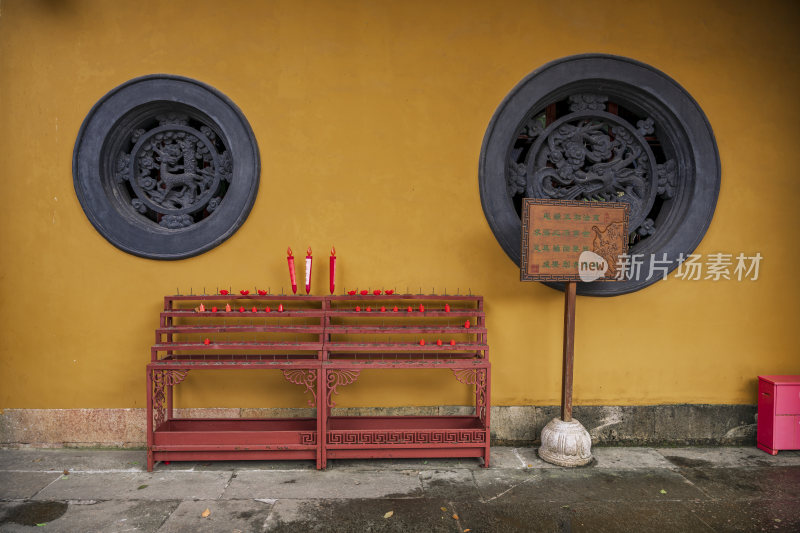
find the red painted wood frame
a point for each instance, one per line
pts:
(183, 439)
(334, 338)
(387, 332)
(369, 437)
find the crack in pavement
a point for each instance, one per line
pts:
(506, 491)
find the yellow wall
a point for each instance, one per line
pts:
(369, 117)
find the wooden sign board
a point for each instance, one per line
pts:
(556, 232)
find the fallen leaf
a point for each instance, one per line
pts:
(468, 529)
(66, 472)
(140, 487)
(530, 466)
(389, 514)
(358, 483)
(663, 491)
(455, 516)
(444, 509)
(565, 506)
(39, 460)
(205, 513)
(41, 525)
(777, 519)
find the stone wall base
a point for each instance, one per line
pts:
(630, 425)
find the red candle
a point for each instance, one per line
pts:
(452, 342)
(446, 308)
(383, 309)
(438, 342)
(214, 309)
(358, 308)
(333, 269)
(207, 342)
(241, 309)
(267, 309)
(466, 324)
(227, 307)
(422, 342)
(369, 309)
(202, 308)
(280, 308)
(254, 309)
(292, 276)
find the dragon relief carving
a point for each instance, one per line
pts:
(590, 154)
(592, 160)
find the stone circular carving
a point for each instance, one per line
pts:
(565, 443)
(594, 156)
(166, 167)
(604, 128)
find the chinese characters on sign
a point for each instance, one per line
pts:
(572, 241)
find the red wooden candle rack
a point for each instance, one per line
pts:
(321, 344)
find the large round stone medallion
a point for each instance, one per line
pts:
(602, 128)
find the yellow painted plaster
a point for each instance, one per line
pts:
(369, 116)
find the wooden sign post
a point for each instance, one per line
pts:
(571, 241)
(569, 351)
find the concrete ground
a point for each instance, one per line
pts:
(625, 489)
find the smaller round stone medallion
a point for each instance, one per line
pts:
(157, 176)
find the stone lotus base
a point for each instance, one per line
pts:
(565, 443)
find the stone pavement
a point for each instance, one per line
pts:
(625, 489)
